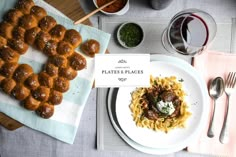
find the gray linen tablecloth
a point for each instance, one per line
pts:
(26, 142)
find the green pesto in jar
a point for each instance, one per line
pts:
(131, 34)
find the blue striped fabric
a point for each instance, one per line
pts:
(64, 124)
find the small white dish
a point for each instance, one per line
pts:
(120, 12)
(131, 34)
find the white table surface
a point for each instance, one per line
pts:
(25, 142)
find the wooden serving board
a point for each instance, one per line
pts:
(73, 10)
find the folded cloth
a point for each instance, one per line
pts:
(64, 123)
(211, 65)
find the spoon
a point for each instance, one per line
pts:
(216, 89)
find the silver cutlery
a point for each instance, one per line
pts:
(216, 89)
(229, 89)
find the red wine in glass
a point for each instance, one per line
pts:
(188, 34)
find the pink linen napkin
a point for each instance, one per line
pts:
(211, 65)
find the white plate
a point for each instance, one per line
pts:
(129, 141)
(197, 100)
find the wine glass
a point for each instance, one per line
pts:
(189, 32)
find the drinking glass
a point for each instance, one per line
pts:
(160, 4)
(189, 32)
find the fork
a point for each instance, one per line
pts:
(229, 89)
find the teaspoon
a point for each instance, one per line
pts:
(216, 89)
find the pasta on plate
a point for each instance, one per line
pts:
(161, 106)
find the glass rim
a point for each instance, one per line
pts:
(188, 13)
(192, 11)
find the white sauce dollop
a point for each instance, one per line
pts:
(165, 107)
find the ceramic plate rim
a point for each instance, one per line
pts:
(204, 100)
(132, 143)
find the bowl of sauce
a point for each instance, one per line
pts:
(130, 35)
(120, 7)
